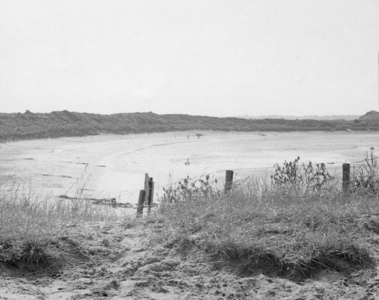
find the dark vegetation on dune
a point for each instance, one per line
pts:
(28, 125)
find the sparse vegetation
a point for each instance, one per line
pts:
(291, 226)
(365, 177)
(307, 177)
(188, 189)
(30, 225)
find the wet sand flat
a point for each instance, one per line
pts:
(114, 166)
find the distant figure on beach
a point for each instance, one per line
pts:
(187, 162)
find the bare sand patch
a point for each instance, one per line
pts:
(119, 262)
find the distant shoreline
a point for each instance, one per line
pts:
(30, 126)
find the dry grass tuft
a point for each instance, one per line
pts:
(278, 229)
(30, 224)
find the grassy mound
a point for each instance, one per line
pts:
(31, 227)
(286, 230)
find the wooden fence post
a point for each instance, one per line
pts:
(146, 195)
(151, 194)
(146, 187)
(228, 180)
(141, 201)
(346, 178)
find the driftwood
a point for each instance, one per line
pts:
(104, 201)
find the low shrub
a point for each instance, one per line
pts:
(188, 189)
(303, 176)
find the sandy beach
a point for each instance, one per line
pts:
(109, 166)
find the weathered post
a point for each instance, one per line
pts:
(346, 178)
(146, 187)
(151, 194)
(228, 180)
(141, 201)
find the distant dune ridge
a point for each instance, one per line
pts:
(28, 125)
(310, 117)
(370, 116)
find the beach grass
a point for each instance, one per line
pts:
(281, 228)
(31, 222)
(287, 226)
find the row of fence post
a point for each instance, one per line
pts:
(147, 194)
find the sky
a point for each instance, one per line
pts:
(199, 57)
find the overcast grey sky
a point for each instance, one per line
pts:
(199, 57)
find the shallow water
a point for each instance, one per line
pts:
(114, 166)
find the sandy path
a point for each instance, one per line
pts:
(114, 166)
